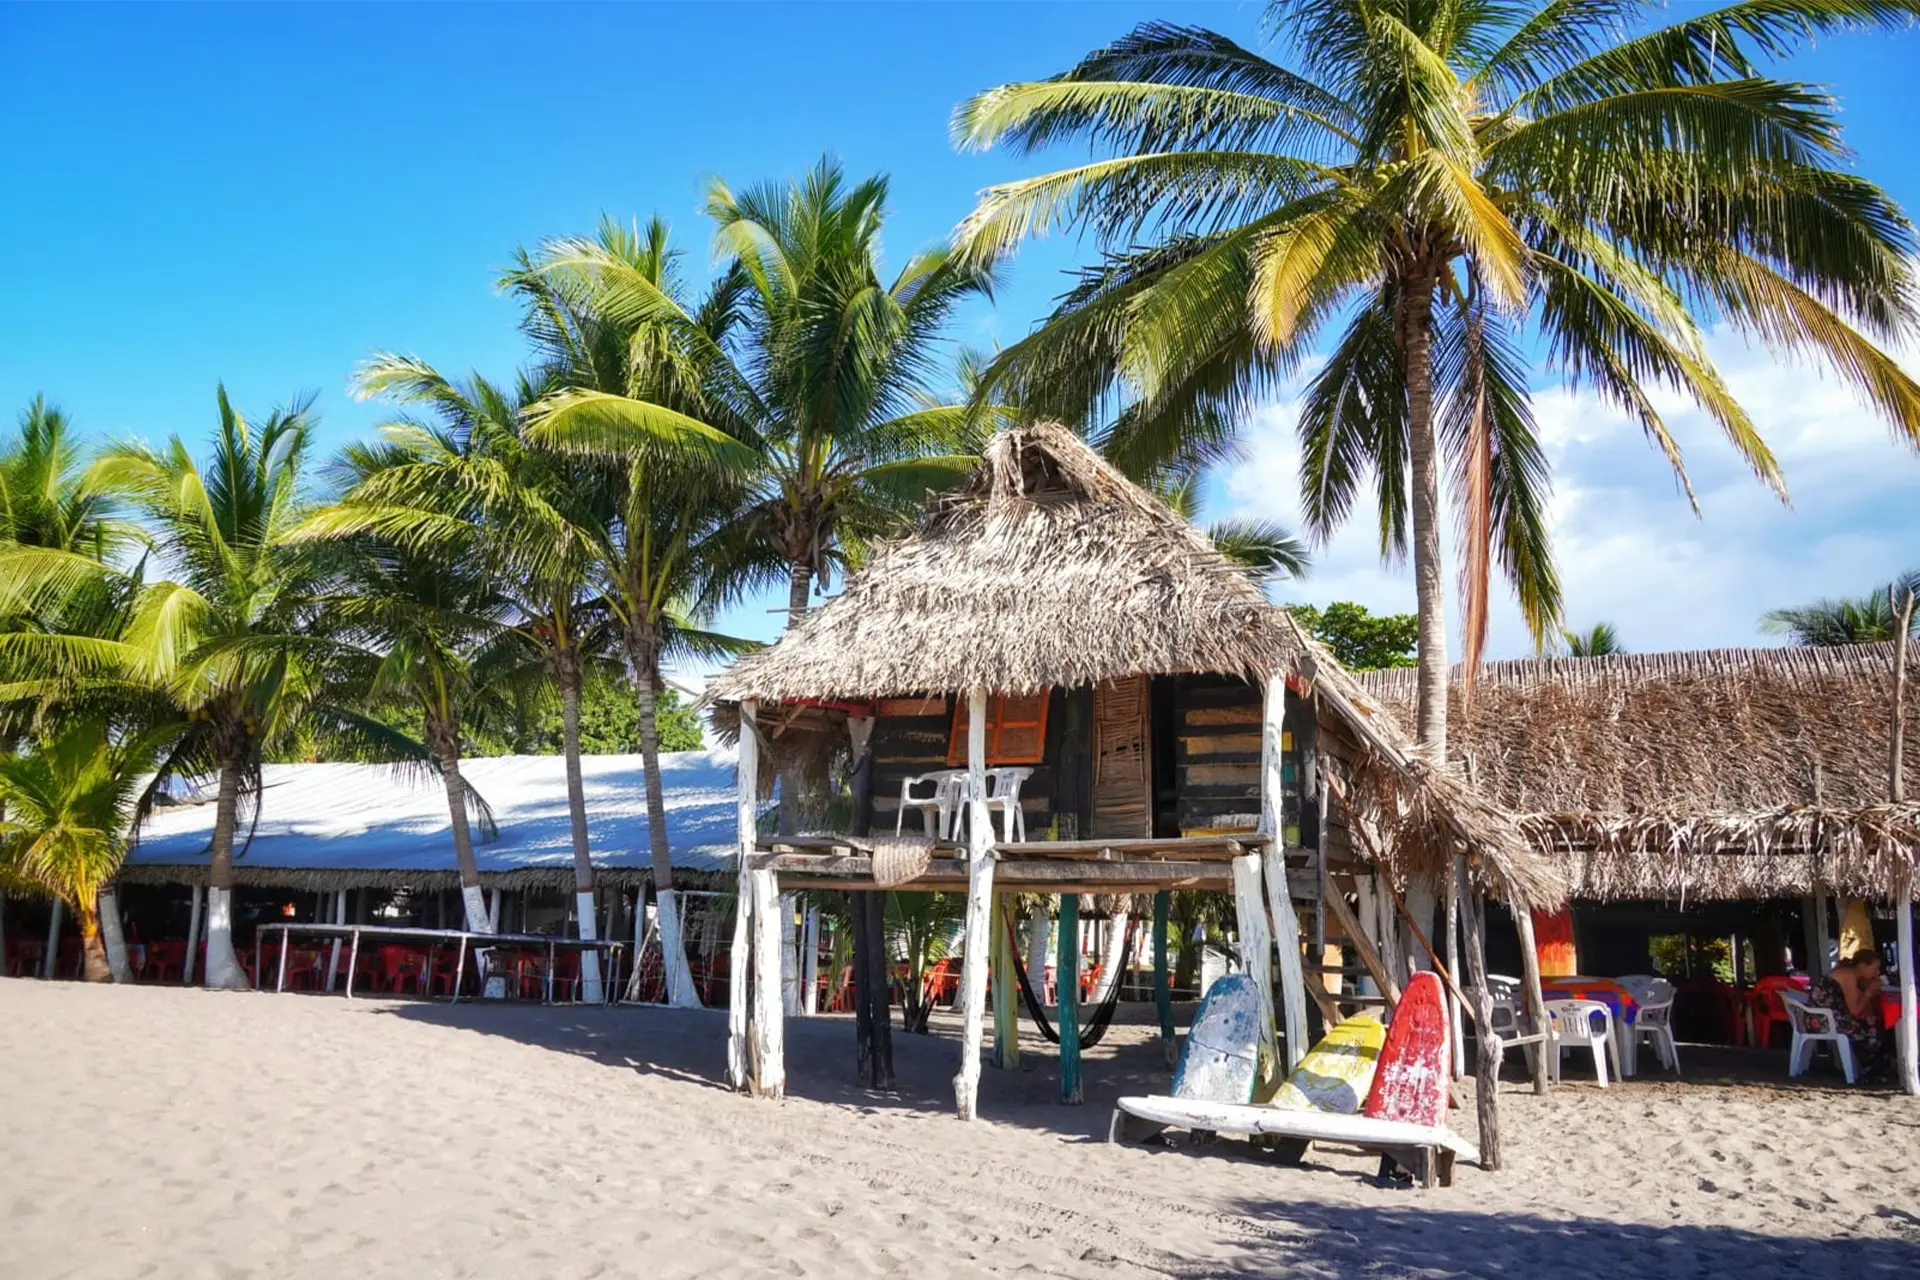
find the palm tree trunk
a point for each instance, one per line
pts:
(681, 993)
(472, 899)
(93, 951)
(799, 583)
(1424, 462)
(223, 966)
(570, 681)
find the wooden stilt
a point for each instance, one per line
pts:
(1487, 1064)
(768, 1067)
(1285, 921)
(1066, 969)
(810, 969)
(1006, 1013)
(979, 922)
(1256, 953)
(746, 805)
(1456, 875)
(1542, 1056)
(1162, 979)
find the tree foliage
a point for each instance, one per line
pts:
(1361, 640)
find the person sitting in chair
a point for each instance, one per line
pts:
(1852, 991)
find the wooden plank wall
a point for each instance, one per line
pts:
(910, 737)
(1217, 752)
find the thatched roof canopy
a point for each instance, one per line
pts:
(1724, 773)
(1051, 569)
(1048, 568)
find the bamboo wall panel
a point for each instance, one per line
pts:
(1122, 763)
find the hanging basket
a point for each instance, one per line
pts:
(898, 859)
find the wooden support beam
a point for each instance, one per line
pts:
(811, 871)
(1456, 874)
(1357, 936)
(767, 1066)
(979, 920)
(1487, 1058)
(746, 819)
(1066, 973)
(1256, 953)
(1285, 921)
(1536, 999)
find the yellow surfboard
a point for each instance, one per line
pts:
(1335, 1075)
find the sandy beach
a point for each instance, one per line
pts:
(167, 1132)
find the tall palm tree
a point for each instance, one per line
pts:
(229, 631)
(1598, 641)
(469, 484)
(47, 496)
(66, 809)
(1867, 619)
(1437, 177)
(626, 356)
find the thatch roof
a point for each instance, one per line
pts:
(1051, 569)
(1724, 773)
(1047, 568)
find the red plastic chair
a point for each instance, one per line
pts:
(166, 959)
(398, 965)
(1765, 1009)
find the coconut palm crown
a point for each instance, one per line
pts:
(1433, 186)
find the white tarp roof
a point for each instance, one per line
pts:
(366, 817)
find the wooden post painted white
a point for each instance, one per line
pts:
(337, 914)
(746, 806)
(769, 1068)
(810, 967)
(973, 965)
(1906, 1031)
(1421, 900)
(1286, 922)
(494, 909)
(108, 905)
(1456, 876)
(586, 916)
(1039, 945)
(1256, 951)
(193, 938)
(789, 956)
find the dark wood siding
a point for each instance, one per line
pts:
(1216, 724)
(904, 745)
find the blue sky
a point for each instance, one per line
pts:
(267, 194)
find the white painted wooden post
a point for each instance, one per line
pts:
(193, 938)
(789, 956)
(1256, 949)
(51, 959)
(979, 924)
(810, 970)
(1906, 1031)
(494, 908)
(746, 804)
(339, 914)
(1039, 940)
(1456, 876)
(108, 906)
(769, 1068)
(1286, 922)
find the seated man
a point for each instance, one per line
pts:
(1852, 991)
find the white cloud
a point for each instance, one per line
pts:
(1630, 550)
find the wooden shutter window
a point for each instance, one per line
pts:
(1016, 729)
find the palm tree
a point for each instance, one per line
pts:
(1598, 641)
(471, 485)
(229, 633)
(1436, 178)
(66, 810)
(1868, 619)
(47, 496)
(626, 356)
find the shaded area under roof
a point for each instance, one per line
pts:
(331, 826)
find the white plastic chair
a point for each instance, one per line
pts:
(940, 805)
(1574, 1023)
(1003, 797)
(1510, 1025)
(1654, 1022)
(1812, 1027)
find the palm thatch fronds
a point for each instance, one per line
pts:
(1734, 773)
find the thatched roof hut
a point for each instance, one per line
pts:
(1050, 569)
(1732, 773)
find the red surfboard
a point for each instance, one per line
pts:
(1411, 1084)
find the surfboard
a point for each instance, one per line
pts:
(1220, 1060)
(1336, 1074)
(1411, 1083)
(1313, 1126)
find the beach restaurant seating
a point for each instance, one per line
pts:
(1588, 1023)
(1511, 1028)
(1655, 997)
(1813, 1027)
